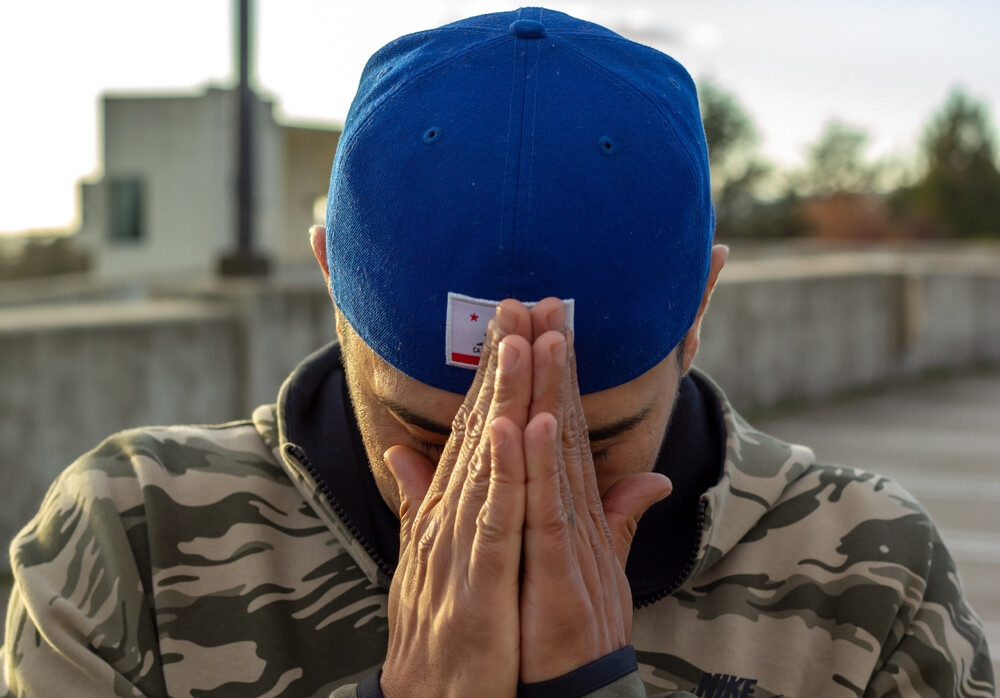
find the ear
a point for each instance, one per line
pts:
(693, 337)
(317, 238)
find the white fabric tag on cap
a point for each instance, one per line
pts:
(465, 327)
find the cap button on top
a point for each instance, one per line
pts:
(527, 29)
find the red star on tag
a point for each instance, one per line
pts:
(474, 317)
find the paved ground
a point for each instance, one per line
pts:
(941, 440)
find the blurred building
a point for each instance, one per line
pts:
(164, 204)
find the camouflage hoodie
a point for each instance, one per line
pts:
(213, 562)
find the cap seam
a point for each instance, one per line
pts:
(525, 237)
(506, 173)
(519, 256)
(411, 83)
(599, 68)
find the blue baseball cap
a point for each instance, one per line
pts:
(520, 155)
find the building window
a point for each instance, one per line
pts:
(126, 220)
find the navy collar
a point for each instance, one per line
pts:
(316, 414)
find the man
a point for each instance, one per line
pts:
(448, 501)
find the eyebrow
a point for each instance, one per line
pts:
(599, 434)
(620, 427)
(411, 417)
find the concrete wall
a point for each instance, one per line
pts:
(776, 330)
(72, 375)
(808, 328)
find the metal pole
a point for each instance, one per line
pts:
(244, 261)
(244, 217)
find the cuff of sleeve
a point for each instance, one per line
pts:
(371, 687)
(587, 679)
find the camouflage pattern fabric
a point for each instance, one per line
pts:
(204, 562)
(813, 580)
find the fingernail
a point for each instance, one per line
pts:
(506, 321)
(387, 459)
(557, 318)
(497, 436)
(559, 353)
(667, 492)
(508, 356)
(550, 429)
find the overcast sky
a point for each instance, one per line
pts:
(882, 65)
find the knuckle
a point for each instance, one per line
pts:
(556, 526)
(427, 542)
(474, 425)
(480, 469)
(488, 527)
(458, 431)
(572, 430)
(425, 546)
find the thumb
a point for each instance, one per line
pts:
(413, 474)
(626, 501)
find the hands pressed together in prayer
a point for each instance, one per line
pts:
(511, 565)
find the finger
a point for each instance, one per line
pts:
(496, 552)
(469, 419)
(548, 314)
(413, 474)
(559, 538)
(512, 391)
(626, 501)
(578, 434)
(482, 370)
(594, 536)
(549, 357)
(511, 398)
(469, 424)
(484, 374)
(513, 317)
(546, 519)
(547, 395)
(574, 437)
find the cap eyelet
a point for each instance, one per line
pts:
(606, 145)
(432, 134)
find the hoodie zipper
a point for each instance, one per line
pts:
(688, 568)
(299, 455)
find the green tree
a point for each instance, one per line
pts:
(959, 194)
(738, 171)
(836, 163)
(730, 132)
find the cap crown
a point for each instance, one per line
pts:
(523, 154)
